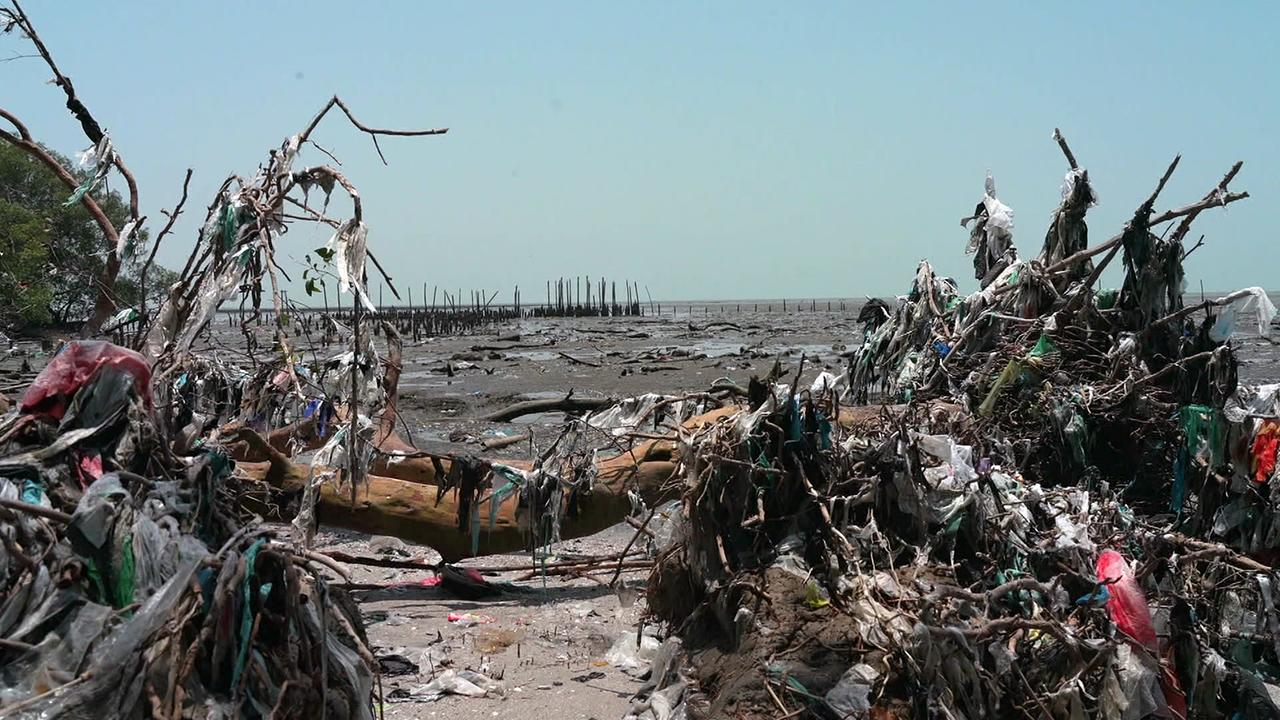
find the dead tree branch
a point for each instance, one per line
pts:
(372, 132)
(1218, 197)
(565, 404)
(155, 245)
(1062, 143)
(104, 305)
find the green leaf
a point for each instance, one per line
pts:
(324, 253)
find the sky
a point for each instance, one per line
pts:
(713, 150)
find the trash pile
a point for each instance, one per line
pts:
(133, 585)
(135, 578)
(1065, 508)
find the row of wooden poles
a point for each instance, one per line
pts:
(568, 300)
(457, 314)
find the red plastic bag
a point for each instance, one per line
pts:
(1265, 445)
(74, 367)
(1127, 603)
(1131, 613)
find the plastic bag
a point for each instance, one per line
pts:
(75, 366)
(1126, 603)
(467, 620)
(851, 696)
(625, 653)
(453, 682)
(827, 382)
(1243, 300)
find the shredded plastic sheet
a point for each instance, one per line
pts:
(507, 482)
(999, 215)
(127, 240)
(333, 454)
(98, 158)
(1132, 691)
(1070, 515)
(337, 384)
(1204, 433)
(1073, 178)
(957, 460)
(215, 288)
(991, 239)
(349, 245)
(121, 318)
(627, 415)
(1251, 401)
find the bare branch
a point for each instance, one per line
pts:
(155, 245)
(1062, 143)
(24, 142)
(1151, 201)
(372, 132)
(313, 214)
(91, 128)
(1195, 247)
(322, 149)
(104, 305)
(385, 276)
(17, 124)
(1218, 197)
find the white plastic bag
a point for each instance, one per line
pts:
(1243, 300)
(625, 653)
(851, 696)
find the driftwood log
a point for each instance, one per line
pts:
(565, 404)
(400, 497)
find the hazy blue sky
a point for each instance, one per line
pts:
(707, 150)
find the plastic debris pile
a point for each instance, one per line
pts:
(135, 578)
(1070, 511)
(131, 584)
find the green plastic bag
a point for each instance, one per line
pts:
(1204, 433)
(1044, 346)
(1106, 298)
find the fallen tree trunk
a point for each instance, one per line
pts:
(566, 404)
(411, 510)
(400, 498)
